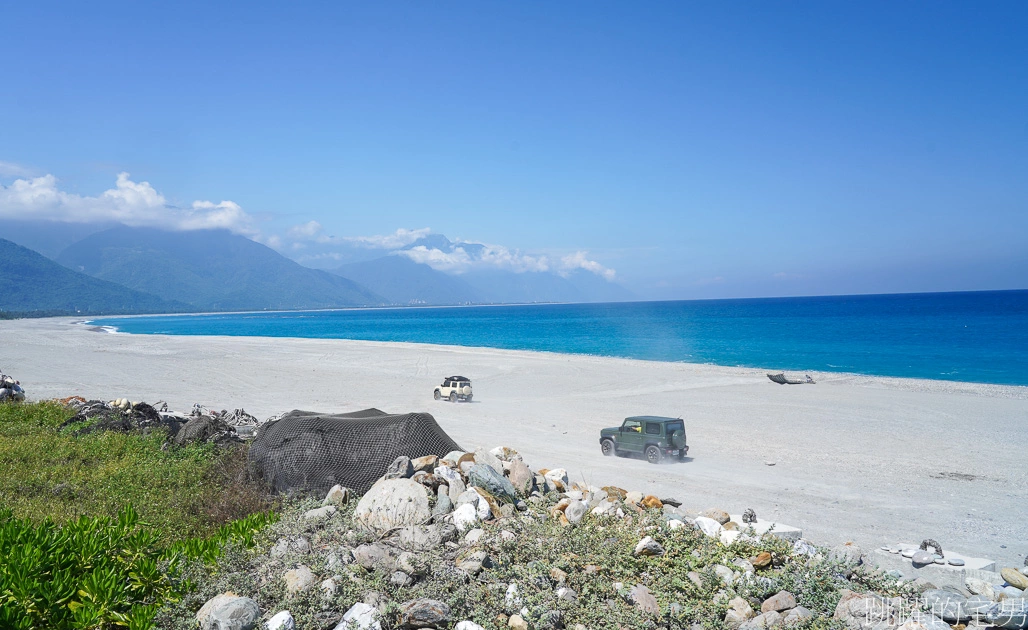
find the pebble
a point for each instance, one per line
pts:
(517, 622)
(909, 552)
(648, 547)
(957, 562)
(921, 558)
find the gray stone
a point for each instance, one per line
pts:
(285, 546)
(399, 579)
(360, 616)
(474, 562)
(1009, 614)
(443, 504)
(457, 488)
(494, 483)
(782, 600)
(977, 606)
(720, 516)
(229, 612)
(648, 547)
(338, 496)
(576, 511)
(320, 514)
(424, 613)
(796, 616)
(376, 556)
(482, 456)
(739, 611)
(299, 579)
(392, 503)
(922, 558)
(642, 598)
(957, 562)
(947, 605)
(401, 468)
(423, 537)
(848, 554)
(567, 594)
(727, 575)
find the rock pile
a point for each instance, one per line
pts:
(431, 545)
(10, 389)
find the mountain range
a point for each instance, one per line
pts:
(134, 270)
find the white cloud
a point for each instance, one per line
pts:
(132, 203)
(457, 261)
(399, 238)
(578, 260)
(306, 230)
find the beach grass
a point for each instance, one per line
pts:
(179, 492)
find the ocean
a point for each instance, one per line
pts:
(975, 336)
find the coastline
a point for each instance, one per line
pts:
(877, 460)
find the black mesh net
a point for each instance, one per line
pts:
(305, 451)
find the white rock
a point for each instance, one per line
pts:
(557, 475)
(576, 511)
(361, 616)
(447, 473)
(634, 496)
(473, 536)
(320, 513)
(281, 621)
(468, 625)
(392, 503)
(512, 600)
(328, 587)
(709, 526)
(728, 536)
(338, 495)
(465, 517)
(675, 524)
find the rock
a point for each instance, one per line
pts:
(229, 612)
(558, 477)
(1015, 578)
(329, 587)
(521, 478)
(285, 546)
(465, 516)
(864, 612)
(651, 502)
(474, 562)
(517, 622)
(695, 578)
(392, 503)
(956, 562)
(945, 604)
(558, 575)
(782, 600)
(512, 600)
(642, 598)
(376, 556)
(739, 611)
(727, 575)
(1010, 592)
(805, 548)
(922, 558)
(616, 492)
(720, 516)
(576, 511)
(401, 468)
(634, 497)
(320, 514)
(1009, 614)
(423, 537)
(468, 625)
(648, 547)
(443, 504)
(400, 579)
(978, 606)
(567, 594)
(769, 619)
(338, 496)
(424, 613)
(761, 561)
(909, 552)
(426, 463)
(473, 536)
(484, 457)
(849, 554)
(796, 616)
(299, 579)
(457, 488)
(674, 523)
(979, 587)
(493, 482)
(281, 621)
(360, 616)
(709, 526)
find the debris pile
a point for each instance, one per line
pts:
(10, 389)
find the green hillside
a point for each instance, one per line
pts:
(34, 284)
(210, 270)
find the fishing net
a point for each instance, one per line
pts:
(305, 451)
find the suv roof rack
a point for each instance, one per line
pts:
(458, 378)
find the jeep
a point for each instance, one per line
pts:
(454, 388)
(655, 437)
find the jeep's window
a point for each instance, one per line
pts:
(632, 425)
(675, 426)
(652, 428)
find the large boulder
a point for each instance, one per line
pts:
(393, 503)
(229, 612)
(486, 477)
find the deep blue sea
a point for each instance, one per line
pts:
(978, 337)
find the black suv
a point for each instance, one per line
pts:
(655, 436)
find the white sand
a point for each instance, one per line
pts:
(856, 458)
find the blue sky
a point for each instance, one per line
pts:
(700, 150)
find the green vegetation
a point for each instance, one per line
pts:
(66, 563)
(33, 283)
(182, 492)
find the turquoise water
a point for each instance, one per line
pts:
(977, 337)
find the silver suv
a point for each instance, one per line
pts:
(454, 388)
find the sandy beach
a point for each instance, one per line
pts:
(872, 460)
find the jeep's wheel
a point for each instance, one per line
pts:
(467, 398)
(607, 447)
(453, 396)
(438, 395)
(653, 454)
